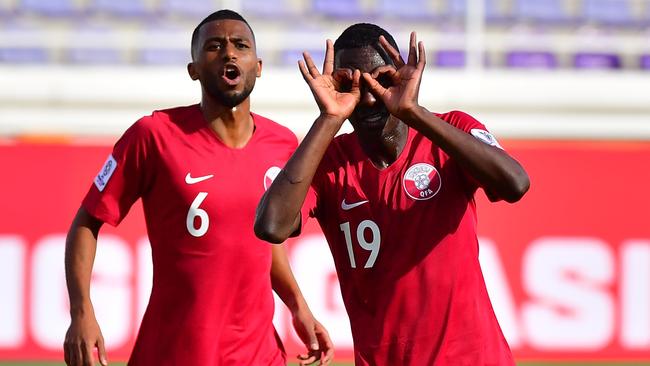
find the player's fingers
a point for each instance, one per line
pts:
(304, 71)
(308, 359)
(76, 359)
(101, 351)
(422, 60)
(412, 58)
(313, 70)
(355, 89)
(325, 343)
(66, 353)
(375, 88)
(392, 52)
(328, 64)
(87, 354)
(382, 70)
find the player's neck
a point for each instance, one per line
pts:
(234, 126)
(383, 147)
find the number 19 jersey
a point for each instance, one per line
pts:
(405, 248)
(211, 301)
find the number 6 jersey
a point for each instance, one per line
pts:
(406, 253)
(211, 302)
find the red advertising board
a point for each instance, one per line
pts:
(567, 268)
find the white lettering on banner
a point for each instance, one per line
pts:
(111, 289)
(635, 294)
(575, 292)
(12, 290)
(144, 280)
(313, 265)
(496, 282)
(50, 312)
(571, 307)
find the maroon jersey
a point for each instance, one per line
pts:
(405, 247)
(211, 302)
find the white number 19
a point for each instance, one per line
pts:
(372, 246)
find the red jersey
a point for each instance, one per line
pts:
(405, 247)
(211, 301)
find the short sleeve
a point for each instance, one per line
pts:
(124, 177)
(470, 125)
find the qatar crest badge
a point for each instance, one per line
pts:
(421, 181)
(270, 175)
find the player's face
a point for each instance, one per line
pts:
(226, 61)
(370, 113)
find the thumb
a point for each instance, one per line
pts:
(101, 351)
(313, 340)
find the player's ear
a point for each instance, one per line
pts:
(191, 70)
(259, 67)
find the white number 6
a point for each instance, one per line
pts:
(202, 215)
(372, 246)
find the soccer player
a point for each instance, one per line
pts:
(200, 171)
(395, 202)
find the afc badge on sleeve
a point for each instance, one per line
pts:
(105, 174)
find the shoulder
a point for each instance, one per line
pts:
(458, 118)
(274, 131)
(461, 120)
(161, 119)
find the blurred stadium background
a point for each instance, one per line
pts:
(564, 84)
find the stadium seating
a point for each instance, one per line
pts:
(38, 31)
(542, 12)
(192, 9)
(120, 8)
(49, 8)
(608, 12)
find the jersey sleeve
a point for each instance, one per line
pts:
(124, 177)
(470, 125)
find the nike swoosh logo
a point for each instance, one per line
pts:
(190, 180)
(348, 206)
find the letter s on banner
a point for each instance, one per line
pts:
(570, 306)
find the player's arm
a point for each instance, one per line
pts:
(311, 332)
(278, 213)
(83, 334)
(500, 175)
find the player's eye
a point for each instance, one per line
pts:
(213, 46)
(384, 80)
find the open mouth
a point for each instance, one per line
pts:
(231, 74)
(373, 118)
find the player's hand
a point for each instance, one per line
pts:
(336, 96)
(316, 339)
(81, 339)
(401, 95)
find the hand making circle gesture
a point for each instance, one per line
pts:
(401, 98)
(328, 89)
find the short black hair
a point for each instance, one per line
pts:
(217, 15)
(362, 35)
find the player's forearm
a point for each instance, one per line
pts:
(498, 172)
(81, 244)
(283, 282)
(278, 213)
